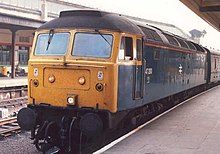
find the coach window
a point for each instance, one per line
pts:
(126, 49)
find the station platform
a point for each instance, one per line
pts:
(191, 128)
(8, 82)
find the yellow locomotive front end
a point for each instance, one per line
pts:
(73, 68)
(72, 86)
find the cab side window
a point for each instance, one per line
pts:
(126, 49)
(139, 49)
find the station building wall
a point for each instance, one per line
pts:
(23, 42)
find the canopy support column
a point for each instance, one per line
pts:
(13, 31)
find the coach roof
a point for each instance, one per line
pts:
(92, 19)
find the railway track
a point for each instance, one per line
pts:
(15, 102)
(11, 93)
(9, 127)
(13, 99)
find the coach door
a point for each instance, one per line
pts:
(138, 70)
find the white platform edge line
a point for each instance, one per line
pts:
(140, 127)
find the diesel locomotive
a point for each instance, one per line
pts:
(91, 72)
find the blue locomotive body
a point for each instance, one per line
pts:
(166, 72)
(169, 65)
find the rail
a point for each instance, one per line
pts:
(12, 92)
(13, 102)
(12, 99)
(9, 127)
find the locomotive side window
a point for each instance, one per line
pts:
(122, 49)
(126, 49)
(129, 47)
(156, 54)
(139, 49)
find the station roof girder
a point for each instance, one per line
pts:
(18, 23)
(209, 10)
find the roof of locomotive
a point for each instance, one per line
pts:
(92, 19)
(99, 20)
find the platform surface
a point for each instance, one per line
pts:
(8, 82)
(191, 128)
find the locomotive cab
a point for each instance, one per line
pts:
(73, 68)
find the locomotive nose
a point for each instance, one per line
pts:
(26, 119)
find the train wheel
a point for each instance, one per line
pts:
(46, 136)
(42, 145)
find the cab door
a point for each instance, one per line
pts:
(138, 70)
(130, 72)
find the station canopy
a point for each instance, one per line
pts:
(209, 10)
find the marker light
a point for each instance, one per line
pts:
(82, 80)
(51, 78)
(71, 100)
(36, 83)
(99, 87)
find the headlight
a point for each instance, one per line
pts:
(51, 78)
(71, 100)
(82, 80)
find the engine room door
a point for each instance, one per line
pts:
(138, 70)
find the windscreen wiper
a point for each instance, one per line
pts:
(50, 36)
(96, 30)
